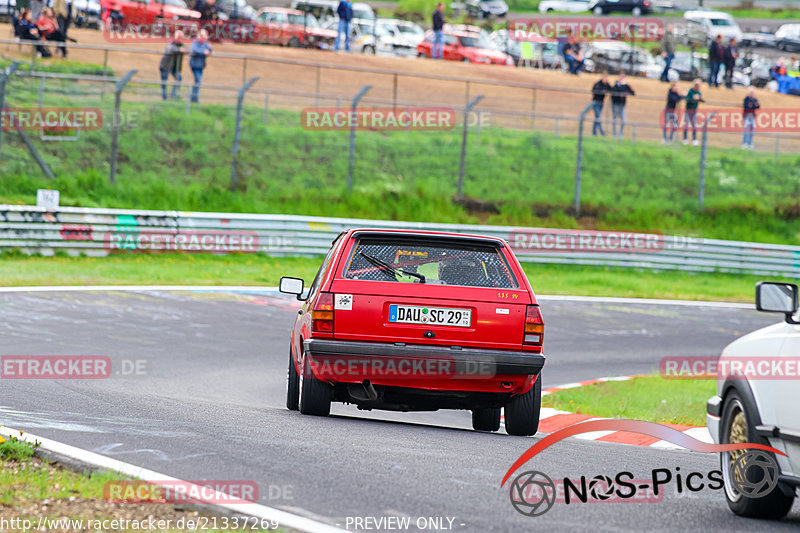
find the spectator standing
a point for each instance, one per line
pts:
(345, 12)
(172, 64)
(599, 92)
(671, 111)
(619, 96)
(48, 29)
(197, 61)
(715, 60)
(668, 47)
(749, 113)
(573, 55)
(438, 32)
(729, 55)
(693, 99)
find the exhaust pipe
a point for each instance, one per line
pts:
(372, 394)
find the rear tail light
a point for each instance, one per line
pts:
(322, 314)
(534, 326)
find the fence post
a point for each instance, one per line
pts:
(38, 158)
(266, 107)
(703, 149)
(579, 165)
(41, 92)
(244, 70)
(238, 132)
(105, 70)
(533, 109)
(4, 75)
(467, 109)
(352, 159)
(115, 122)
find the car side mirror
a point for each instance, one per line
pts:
(292, 286)
(773, 297)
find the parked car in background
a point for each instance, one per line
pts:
(634, 7)
(467, 47)
(123, 12)
(325, 10)
(787, 37)
(236, 10)
(290, 27)
(371, 38)
(759, 71)
(486, 8)
(761, 38)
(688, 67)
(85, 13)
(760, 408)
(615, 58)
(7, 9)
(384, 300)
(702, 27)
(569, 6)
(501, 41)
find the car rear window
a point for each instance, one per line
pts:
(439, 262)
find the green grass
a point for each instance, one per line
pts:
(650, 398)
(13, 449)
(262, 270)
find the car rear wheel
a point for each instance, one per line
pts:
(292, 385)
(368, 50)
(315, 395)
(522, 411)
(738, 428)
(294, 42)
(486, 419)
(420, 54)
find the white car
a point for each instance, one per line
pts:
(404, 30)
(371, 38)
(755, 406)
(571, 6)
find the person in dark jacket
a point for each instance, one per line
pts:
(619, 96)
(438, 32)
(28, 31)
(345, 12)
(729, 55)
(208, 9)
(668, 48)
(693, 98)
(671, 111)
(171, 64)
(749, 114)
(197, 61)
(599, 92)
(715, 60)
(573, 55)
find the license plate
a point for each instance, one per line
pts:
(434, 316)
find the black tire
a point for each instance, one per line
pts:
(292, 385)
(294, 42)
(420, 54)
(522, 411)
(486, 419)
(774, 505)
(315, 395)
(368, 50)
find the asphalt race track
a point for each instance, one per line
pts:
(210, 405)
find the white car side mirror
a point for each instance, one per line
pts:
(772, 297)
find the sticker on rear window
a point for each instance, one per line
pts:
(344, 302)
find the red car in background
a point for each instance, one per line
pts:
(464, 46)
(418, 321)
(290, 27)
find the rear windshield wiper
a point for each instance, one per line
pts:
(386, 266)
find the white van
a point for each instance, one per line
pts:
(702, 27)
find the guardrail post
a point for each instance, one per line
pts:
(579, 164)
(266, 107)
(115, 123)
(4, 75)
(703, 150)
(238, 132)
(467, 109)
(352, 160)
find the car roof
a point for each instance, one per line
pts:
(707, 14)
(461, 237)
(287, 10)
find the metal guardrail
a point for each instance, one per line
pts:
(99, 232)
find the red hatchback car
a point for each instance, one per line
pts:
(464, 46)
(418, 321)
